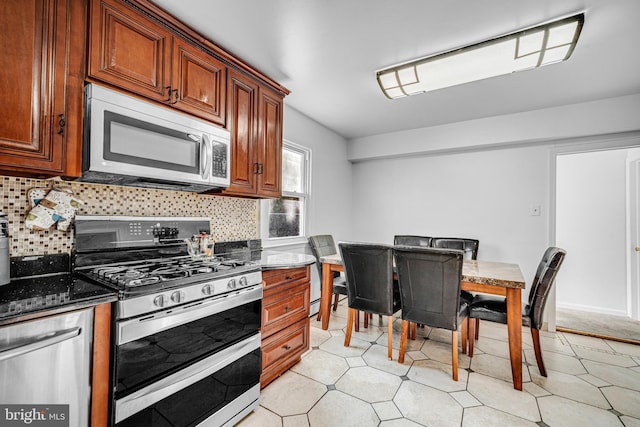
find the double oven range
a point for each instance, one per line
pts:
(186, 329)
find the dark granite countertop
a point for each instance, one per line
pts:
(50, 289)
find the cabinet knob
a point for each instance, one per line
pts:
(287, 347)
(287, 308)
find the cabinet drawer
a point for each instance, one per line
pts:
(284, 308)
(274, 278)
(283, 350)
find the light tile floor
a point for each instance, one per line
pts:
(591, 382)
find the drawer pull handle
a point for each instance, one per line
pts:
(287, 308)
(287, 347)
(289, 278)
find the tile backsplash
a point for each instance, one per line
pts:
(231, 218)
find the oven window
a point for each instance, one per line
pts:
(141, 362)
(195, 403)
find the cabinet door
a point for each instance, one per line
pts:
(129, 50)
(243, 116)
(199, 82)
(269, 154)
(33, 48)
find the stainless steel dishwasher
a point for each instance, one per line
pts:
(47, 362)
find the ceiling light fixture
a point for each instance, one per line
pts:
(522, 50)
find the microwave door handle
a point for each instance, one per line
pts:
(205, 157)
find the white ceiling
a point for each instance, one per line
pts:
(327, 52)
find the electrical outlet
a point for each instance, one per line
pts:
(535, 210)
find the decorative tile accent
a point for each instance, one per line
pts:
(231, 218)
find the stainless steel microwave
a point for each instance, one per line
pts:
(128, 141)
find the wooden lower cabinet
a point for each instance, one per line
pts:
(100, 366)
(285, 320)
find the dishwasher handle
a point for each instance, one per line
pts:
(39, 342)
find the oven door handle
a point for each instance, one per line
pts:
(131, 330)
(143, 398)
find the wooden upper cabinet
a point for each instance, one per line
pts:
(270, 144)
(41, 77)
(243, 112)
(133, 52)
(199, 82)
(256, 138)
(128, 50)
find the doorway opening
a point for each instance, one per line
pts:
(596, 221)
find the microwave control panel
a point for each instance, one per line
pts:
(219, 160)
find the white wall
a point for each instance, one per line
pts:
(591, 226)
(486, 195)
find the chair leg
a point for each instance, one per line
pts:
(319, 315)
(357, 321)
(366, 320)
(390, 338)
(335, 301)
(403, 341)
(477, 328)
(350, 319)
(454, 354)
(535, 335)
(464, 334)
(472, 325)
(414, 325)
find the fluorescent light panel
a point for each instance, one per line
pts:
(523, 50)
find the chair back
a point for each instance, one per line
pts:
(429, 280)
(322, 245)
(548, 269)
(369, 272)
(541, 267)
(468, 246)
(406, 240)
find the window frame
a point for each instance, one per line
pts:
(304, 196)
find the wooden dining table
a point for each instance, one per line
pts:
(496, 278)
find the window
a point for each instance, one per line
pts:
(284, 218)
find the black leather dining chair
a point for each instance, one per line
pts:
(470, 249)
(323, 245)
(494, 309)
(468, 246)
(408, 240)
(370, 286)
(429, 281)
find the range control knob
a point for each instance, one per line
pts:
(178, 296)
(159, 301)
(232, 284)
(207, 289)
(243, 281)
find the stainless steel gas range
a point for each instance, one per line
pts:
(186, 330)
